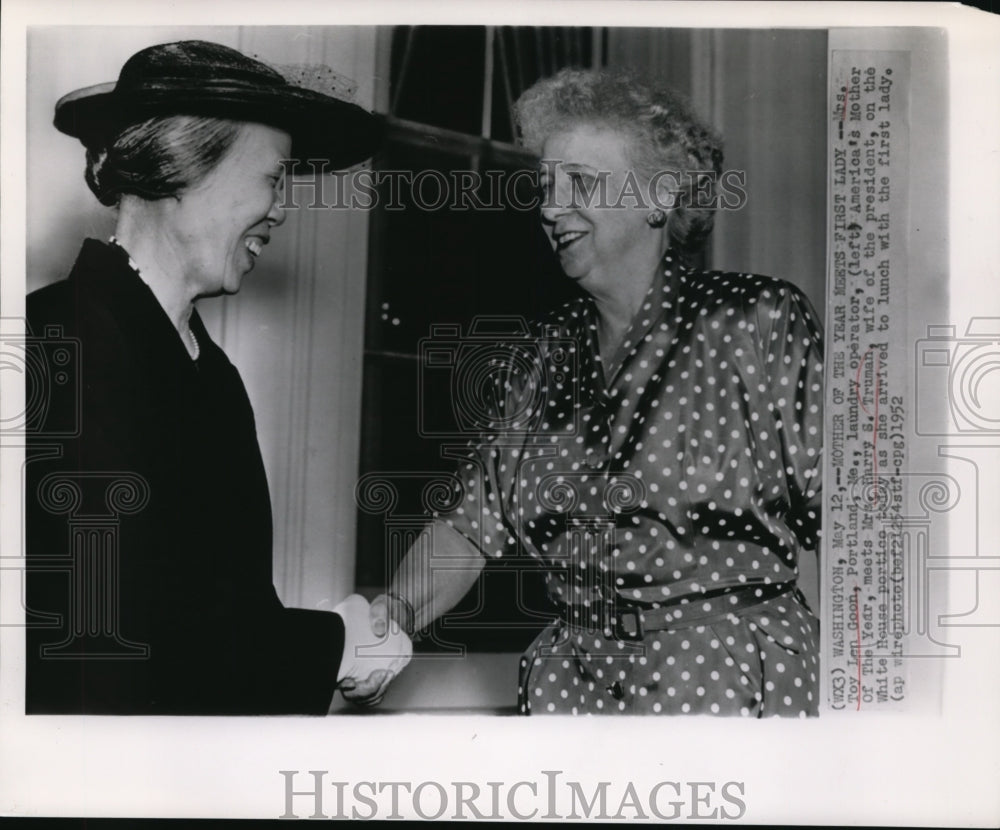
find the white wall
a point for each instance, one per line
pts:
(765, 92)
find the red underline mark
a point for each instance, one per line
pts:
(857, 624)
(847, 92)
(874, 416)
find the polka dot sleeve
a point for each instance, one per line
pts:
(479, 509)
(792, 350)
(478, 512)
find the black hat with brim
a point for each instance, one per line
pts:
(194, 77)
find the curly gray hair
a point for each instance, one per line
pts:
(665, 136)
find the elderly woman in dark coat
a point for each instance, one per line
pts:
(148, 518)
(671, 484)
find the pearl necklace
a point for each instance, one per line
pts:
(195, 350)
(194, 343)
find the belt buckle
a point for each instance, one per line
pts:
(618, 626)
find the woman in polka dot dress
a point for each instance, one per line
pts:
(671, 478)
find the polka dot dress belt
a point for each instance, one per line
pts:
(629, 621)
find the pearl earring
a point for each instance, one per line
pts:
(656, 219)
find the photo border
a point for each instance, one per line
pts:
(918, 768)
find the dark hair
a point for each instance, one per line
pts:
(158, 158)
(665, 135)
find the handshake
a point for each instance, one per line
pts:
(375, 650)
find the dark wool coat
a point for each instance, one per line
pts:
(149, 520)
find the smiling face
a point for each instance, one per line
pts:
(598, 246)
(219, 226)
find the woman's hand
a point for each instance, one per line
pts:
(407, 608)
(378, 613)
(371, 658)
(367, 692)
(370, 691)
